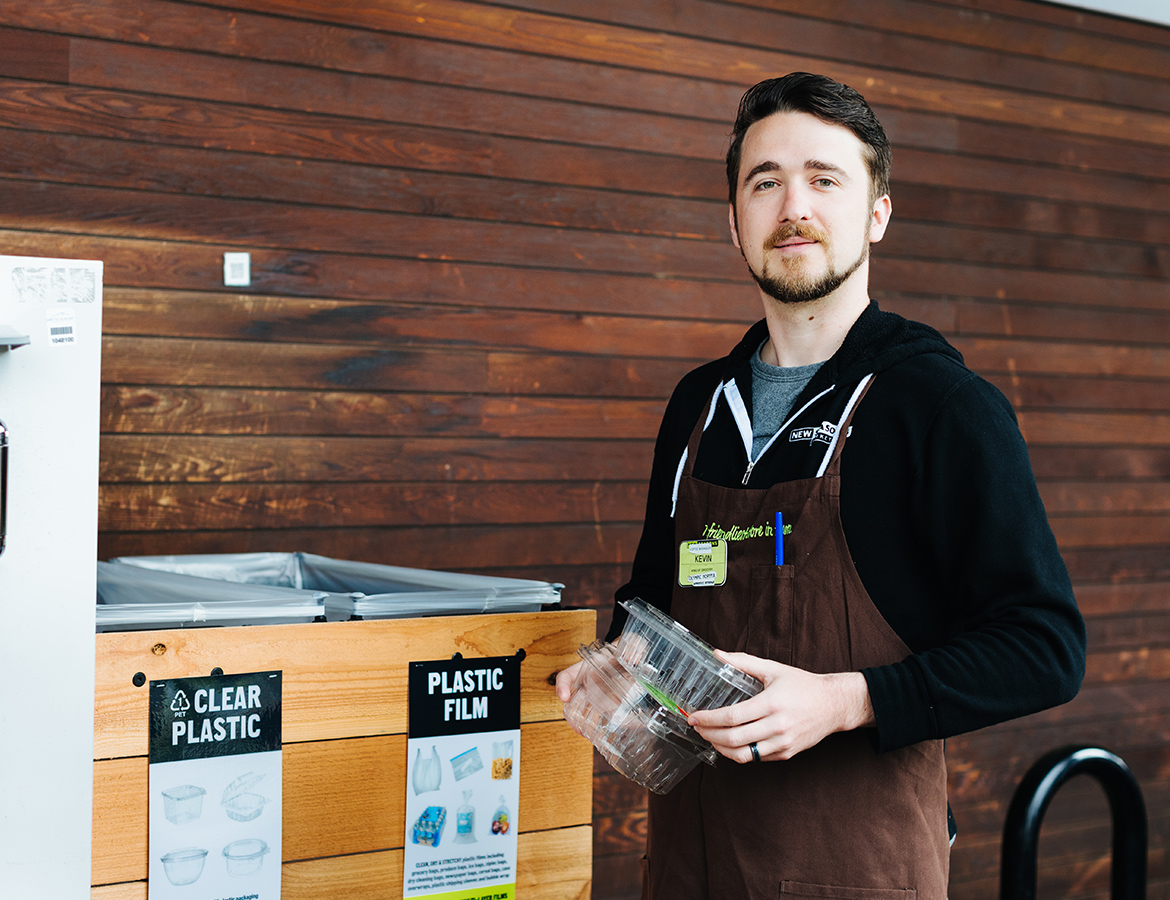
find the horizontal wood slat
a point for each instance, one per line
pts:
(226, 80)
(942, 44)
(278, 320)
(367, 661)
(1075, 45)
(550, 865)
(1114, 530)
(73, 159)
(331, 367)
(328, 230)
(1102, 429)
(176, 265)
(183, 508)
(1117, 563)
(1079, 39)
(930, 186)
(459, 548)
(1101, 496)
(1105, 599)
(534, 32)
(167, 410)
(170, 410)
(96, 112)
(34, 55)
(259, 224)
(188, 459)
(192, 507)
(1115, 394)
(345, 797)
(1080, 21)
(185, 266)
(131, 458)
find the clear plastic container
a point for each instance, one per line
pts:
(239, 802)
(244, 857)
(647, 742)
(183, 804)
(678, 667)
(184, 866)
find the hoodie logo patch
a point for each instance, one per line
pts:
(822, 434)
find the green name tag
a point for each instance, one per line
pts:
(702, 563)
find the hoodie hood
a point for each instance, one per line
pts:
(877, 341)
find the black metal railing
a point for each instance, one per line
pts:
(1021, 833)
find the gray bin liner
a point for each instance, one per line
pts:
(131, 598)
(363, 590)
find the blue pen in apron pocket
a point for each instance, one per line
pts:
(779, 538)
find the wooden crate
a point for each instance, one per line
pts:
(345, 710)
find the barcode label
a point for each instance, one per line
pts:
(61, 324)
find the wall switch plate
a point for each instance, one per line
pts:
(237, 269)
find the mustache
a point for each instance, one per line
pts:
(791, 230)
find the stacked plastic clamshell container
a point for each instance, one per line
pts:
(136, 592)
(678, 667)
(631, 698)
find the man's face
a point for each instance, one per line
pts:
(805, 219)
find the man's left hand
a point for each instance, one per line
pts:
(796, 710)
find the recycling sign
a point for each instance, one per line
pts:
(215, 788)
(215, 716)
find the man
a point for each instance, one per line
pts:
(921, 593)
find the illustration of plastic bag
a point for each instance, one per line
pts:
(501, 818)
(428, 773)
(465, 821)
(502, 760)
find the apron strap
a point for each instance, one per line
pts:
(831, 464)
(686, 462)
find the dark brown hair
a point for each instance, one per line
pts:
(824, 98)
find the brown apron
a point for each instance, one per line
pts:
(838, 820)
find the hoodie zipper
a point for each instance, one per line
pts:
(739, 412)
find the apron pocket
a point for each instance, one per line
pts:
(769, 626)
(796, 889)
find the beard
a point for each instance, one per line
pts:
(799, 286)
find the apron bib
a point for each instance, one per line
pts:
(838, 820)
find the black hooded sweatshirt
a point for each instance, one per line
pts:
(940, 512)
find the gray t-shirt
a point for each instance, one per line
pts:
(774, 388)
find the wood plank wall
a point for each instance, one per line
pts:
(487, 239)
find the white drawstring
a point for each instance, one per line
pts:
(841, 423)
